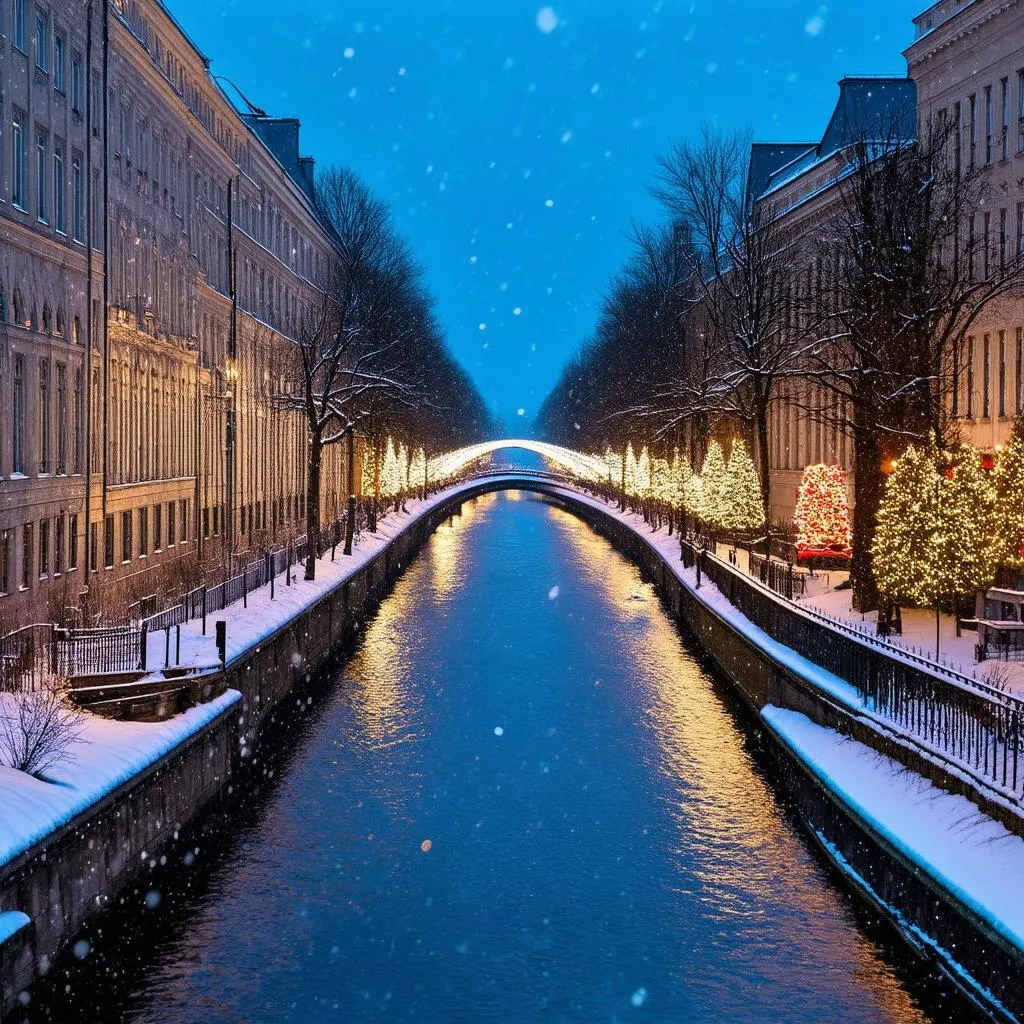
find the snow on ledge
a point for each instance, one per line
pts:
(947, 837)
(11, 922)
(108, 754)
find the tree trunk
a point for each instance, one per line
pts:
(764, 473)
(350, 520)
(870, 484)
(316, 451)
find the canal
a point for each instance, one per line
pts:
(522, 799)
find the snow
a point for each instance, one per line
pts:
(946, 836)
(107, 754)
(11, 922)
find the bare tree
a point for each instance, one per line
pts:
(37, 729)
(914, 262)
(739, 254)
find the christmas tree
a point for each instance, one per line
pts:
(742, 508)
(1008, 479)
(935, 540)
(822, 515)
(712, 504)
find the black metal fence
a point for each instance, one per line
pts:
(27, 658)
(775, 575)
(87, 651)
(974, 724)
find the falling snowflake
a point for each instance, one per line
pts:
(517, 311)
(348, 53)
(549, 203)
(553, 593)
(498, 731)
(547, 20)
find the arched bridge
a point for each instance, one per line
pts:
(587, 468)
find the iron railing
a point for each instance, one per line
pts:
(777, 576)
(27, 658)
(971, 723)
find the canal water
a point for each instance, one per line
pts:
(523, 799)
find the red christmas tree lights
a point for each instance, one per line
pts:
(822, 515)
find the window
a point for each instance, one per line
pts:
(44, 416)
(62, 418)
(972, 249)
(18, 160)
(18, 25)
(59, 218)
(77, 199)
(1018, 373)
(958, 142)
(18, 410)
(989, 123)
(58, 61)
(144, 531)
(158, 526)
(972, 131)
(183, 515)
(206, 522)
(1004, 140)
(172, 538)
(986, 377)
(108, 542)
(27, 553)
(970, 377)
(986, 250)
(79, 443)
(126, 536)
(44, 548)
(76, 82)
(1002, 373)
(73, 542)
(42, 40)
(1020, 111)
(41, 175)
(955, 388)
(1002, 238)
(5, 561)
(59, 526)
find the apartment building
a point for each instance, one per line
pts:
(157, 248)
(800, 185)
(967, 61)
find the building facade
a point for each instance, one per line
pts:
(157, 249)
(965, 65)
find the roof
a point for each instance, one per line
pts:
(768, 157)
(878, 109)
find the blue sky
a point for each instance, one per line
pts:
(515, 140)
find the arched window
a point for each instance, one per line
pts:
(33, 320)
(19, 308)
(47, 319)
(3, 307)
(60, 323)
(76, 330)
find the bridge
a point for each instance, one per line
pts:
(588, 468)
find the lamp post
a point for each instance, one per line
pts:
(230, 455)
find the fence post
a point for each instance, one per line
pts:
(203, 595)
(53, 650)
(177, 645)
(144, 644)
(167, 646)
(245, 588)
(222, 641)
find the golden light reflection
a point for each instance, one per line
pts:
(723, 807)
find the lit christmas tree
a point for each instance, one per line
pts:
(742, 508)
(712, 503)
(418, 468)
(822, 515)
(1008, 479)
(935, 540)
